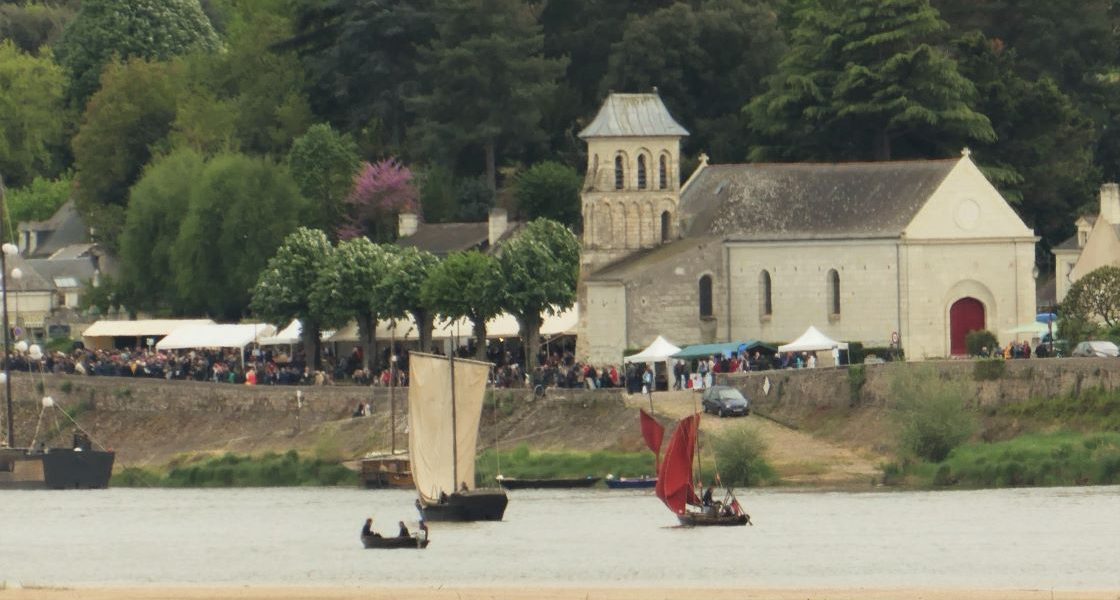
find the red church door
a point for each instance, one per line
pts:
(966, 314)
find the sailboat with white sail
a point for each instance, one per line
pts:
(445, 397)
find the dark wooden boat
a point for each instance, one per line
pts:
(517, 483)
(700, 519)
(473, 505)
(77, 467)
(631, 483)
(376, 541)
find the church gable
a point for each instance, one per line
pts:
(1102, 249)
(762, 202)
(966, 206)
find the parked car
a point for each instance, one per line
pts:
(725, 401)
(1096, 348)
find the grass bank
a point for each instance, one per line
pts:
(1036, 459)
(232, 470)
(525, 463)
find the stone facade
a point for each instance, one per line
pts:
(861, 251)
(1096, 243)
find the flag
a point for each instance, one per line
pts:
(653, 432)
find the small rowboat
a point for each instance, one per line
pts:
(631, 483)
(697, 519)
(515, 483)
(376, 541)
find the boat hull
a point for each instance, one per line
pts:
(513, 483)
(56, 469)
(390, 543)
(692, 519)
(477, 505)
(632, 484)
(386, 472)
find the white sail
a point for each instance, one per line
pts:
(433, 446)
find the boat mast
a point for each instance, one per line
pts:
(392, 384)
(454, 427)
(7, 329)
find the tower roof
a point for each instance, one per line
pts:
(633, 115)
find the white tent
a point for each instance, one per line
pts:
(661, 350)
(290, 335)
(215, 336)
(812, 341)
(1034, 328)
(502, 326)
(102, 333)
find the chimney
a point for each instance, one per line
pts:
(499, 222)
(407, 224)
(1110, 203)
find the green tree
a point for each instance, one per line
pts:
(323, 163)
(400, 289)
(704, 58)
(484, 80)
(123, 123)
(930, 413)
(466, 285)
(362, 58)
(1095, 297)
(865, 79)
(240, 209)
(347, 289)
(283, 290)
(550, 190)
(539, 271)
(32, 126)
(36, 201)
(156, 207)
(108, 30)
(31, 26)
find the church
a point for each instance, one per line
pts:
(914, 252)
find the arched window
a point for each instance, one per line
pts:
(765, 303)
(705, 296)
(834, 292)
(641, 172)
(663, 174)
(619, 176)
(665, 221)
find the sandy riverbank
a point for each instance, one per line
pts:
(545, 593)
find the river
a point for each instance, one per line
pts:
(1042, 538)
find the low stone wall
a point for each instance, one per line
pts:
(790, 391)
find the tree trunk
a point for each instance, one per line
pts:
(424, 319)
(530, 340)
(491, 167)
(367, 338)
(882, 144)
(309, 337)
(480, 339)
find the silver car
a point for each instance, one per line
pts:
(725, 401)
(1104, 349)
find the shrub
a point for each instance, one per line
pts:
(739, 457)
(988, 369)
(855, 353)
(981, 342)
(930, 413)
(857, 376)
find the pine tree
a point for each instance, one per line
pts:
(865, 79)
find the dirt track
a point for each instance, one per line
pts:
(799, 458)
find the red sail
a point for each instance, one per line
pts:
(653, 432)
(674, 479)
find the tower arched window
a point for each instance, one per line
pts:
(765, 301)
(619, 174)
(666, 221)
(834, 292)
(641, 172)
(705, 296)
(663, 173)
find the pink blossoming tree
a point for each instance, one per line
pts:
(381, 191)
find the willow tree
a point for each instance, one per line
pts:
(540, 268)
(865, 79)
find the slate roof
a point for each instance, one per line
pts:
(1068, 244)
(809, 201)
(442, 239)
(30, 281)
(633, 115)
(80, 269)
(637, 263)
(65, 227)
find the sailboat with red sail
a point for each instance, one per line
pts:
(676, 486)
